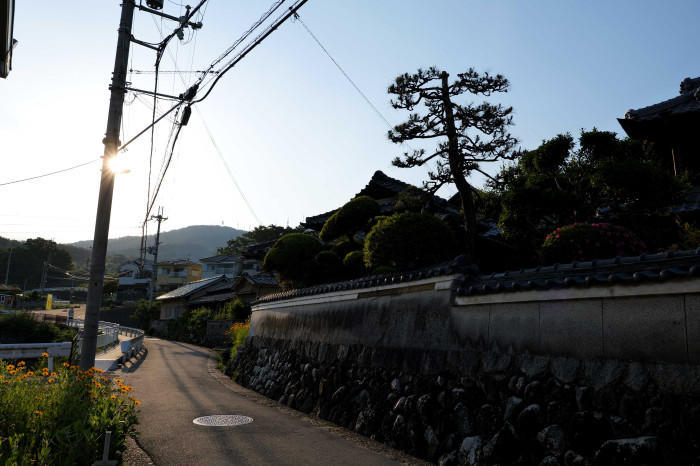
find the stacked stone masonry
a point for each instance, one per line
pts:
(488, 408)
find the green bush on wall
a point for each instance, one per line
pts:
(350, 218)
(354, 264)
(408, 240)
(292, 256)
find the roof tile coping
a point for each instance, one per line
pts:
(612, 271)
(459, 265)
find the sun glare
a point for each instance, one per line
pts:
(119, 165)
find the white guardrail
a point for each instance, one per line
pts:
(35, 350)
(110, 336)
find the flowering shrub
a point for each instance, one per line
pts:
(60, 417)
(583, 241)
(238, 333)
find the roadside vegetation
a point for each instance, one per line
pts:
(191, 325)
(61, 417)
(22, 328)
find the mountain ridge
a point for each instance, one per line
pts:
(193, 242)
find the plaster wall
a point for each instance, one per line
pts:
(637, 323)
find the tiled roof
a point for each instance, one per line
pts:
(177, 262)
(190, 288)
(618, 270)
(688, 101)
(459, 265)
(211, 298)
(258, 279)
(604, 272)
(220, 258)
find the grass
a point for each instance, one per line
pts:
(60, 417)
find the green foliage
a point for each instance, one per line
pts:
(233, 310)
(583, 241)
(28, 259)
(354, 264)
(344, 246)
(238, 334)
(22, 328)
(60, 418)
(292, 256)
(259, 234)
(144, 314)
(411, 199)
(559, 184)
(350, 218)
(408, 240)
(329, 266)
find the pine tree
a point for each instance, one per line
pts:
(466, 135)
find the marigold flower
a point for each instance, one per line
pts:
(30, 373)
(21, 363)
(118, 381)
(52, 380)
(44, 355)
(10, 367)
(53, 374)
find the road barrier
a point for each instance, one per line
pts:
(35, 350)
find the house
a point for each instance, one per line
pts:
(385, 190)
(249, 288)
(7, 41)
(222, 264)
(8, 296)
(671, 126)
(174, 302)
(176, 273)
(134, 280)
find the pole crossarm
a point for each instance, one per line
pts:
(180, 20)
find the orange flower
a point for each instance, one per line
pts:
(65, 364)
(38, 412)
(113, 397)
(44, 355)
(53, 374)
(21, 363)
(52, 380)
(137, 402)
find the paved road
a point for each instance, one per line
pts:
(178, 382)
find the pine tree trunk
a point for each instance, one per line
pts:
(456, 162)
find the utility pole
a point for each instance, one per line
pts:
(45, 273)
(159, 218)
(7, 271)
(104, 202)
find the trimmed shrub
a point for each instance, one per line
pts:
(345, 246)
(292, 257)
(330, 267)
(583, 241)
(408, 240)
(352, 217)
(22, 328)
(354, 264)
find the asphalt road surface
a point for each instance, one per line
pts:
(177, 383)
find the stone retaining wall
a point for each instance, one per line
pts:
(467, 407)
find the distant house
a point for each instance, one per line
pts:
(222, 264)
(176, 273)
(8, 296)
(7, 41)
(134, 283)
(174, 302)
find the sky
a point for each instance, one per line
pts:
(295, 135)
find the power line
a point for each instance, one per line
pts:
(49, 174)
(340, 68)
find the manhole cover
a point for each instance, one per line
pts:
(222, 420)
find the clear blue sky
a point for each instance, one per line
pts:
(296, 135)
